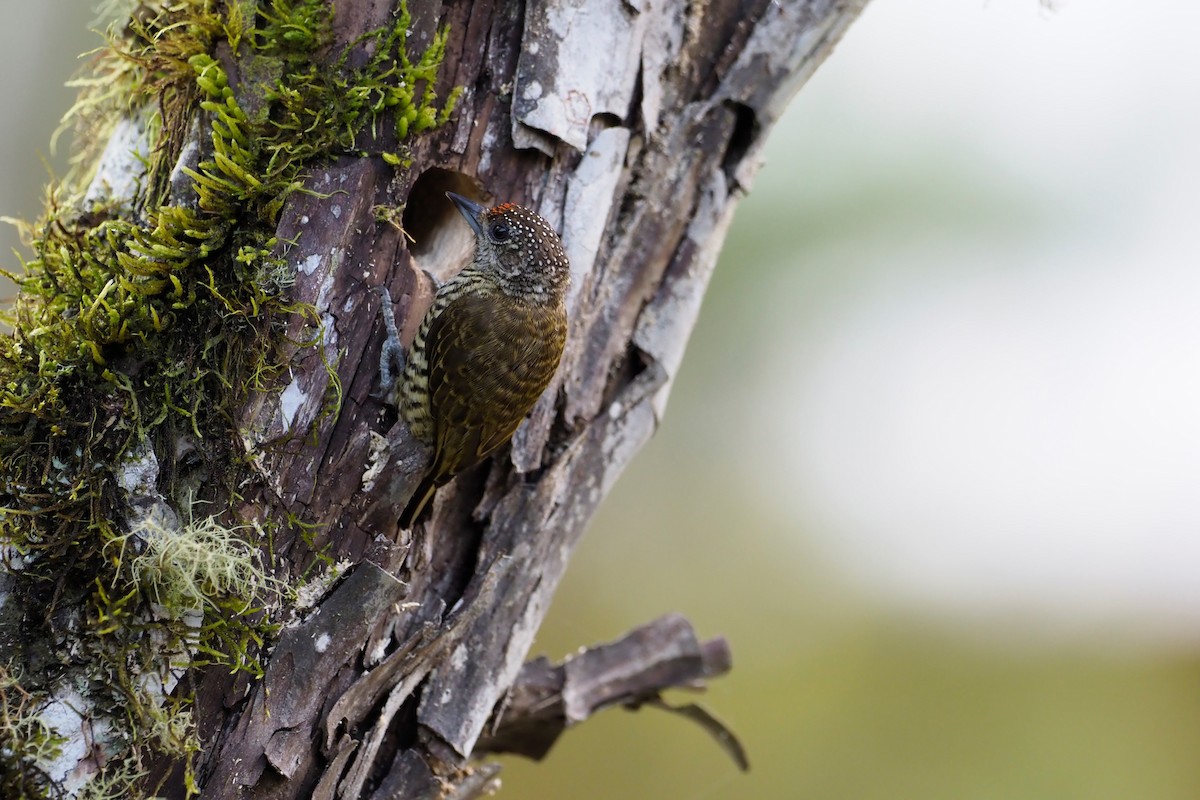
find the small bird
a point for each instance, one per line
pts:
(488, 346)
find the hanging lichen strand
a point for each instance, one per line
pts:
(152, 315)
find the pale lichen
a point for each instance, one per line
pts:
(193, 567)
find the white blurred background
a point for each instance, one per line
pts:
(932, 460)
(1001, 415)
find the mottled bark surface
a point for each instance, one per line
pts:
(633, 127)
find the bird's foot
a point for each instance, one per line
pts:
(391, 353)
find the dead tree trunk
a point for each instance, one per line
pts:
(633, 127)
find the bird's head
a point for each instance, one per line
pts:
(517, 247)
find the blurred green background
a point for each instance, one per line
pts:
(931, 460)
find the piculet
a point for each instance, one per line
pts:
(488, 346)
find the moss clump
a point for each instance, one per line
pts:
(145, 318)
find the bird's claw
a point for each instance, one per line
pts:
(391, 353)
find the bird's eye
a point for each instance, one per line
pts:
(501, 232)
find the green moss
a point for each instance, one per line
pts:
(148, 318)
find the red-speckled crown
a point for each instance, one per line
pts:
(496, 211)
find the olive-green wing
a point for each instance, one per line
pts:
(490, 359)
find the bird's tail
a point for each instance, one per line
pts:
(418, 502)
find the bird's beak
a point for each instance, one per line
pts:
(469, 209)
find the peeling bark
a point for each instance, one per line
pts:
(634, 128)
